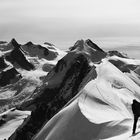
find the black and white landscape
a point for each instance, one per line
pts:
(69, 70)
(83, 93)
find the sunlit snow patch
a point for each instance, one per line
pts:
(111, 93)
(10, 121)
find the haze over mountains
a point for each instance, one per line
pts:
(84, 93)
(63, 22)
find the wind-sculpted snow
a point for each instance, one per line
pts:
(102, 109)
(108, 98)
(114, 91)
(84, 94)
(54, 97)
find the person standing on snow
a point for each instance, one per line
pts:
(136, 113)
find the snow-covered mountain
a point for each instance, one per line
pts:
(84, 94)
(21, 73)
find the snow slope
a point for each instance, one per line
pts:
(102, 109)
(84, 94)
(10, 121)
(62, 83)
(22, 70)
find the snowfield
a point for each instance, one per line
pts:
(82, 94)
(102, 110)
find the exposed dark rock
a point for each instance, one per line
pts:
(14, 43)
(9, 46)
(37, 50)
(50, 44)
(29, 43)
(3, 42)
(123, 66)
(137, 70)
(2, 122)
(60, 65)
(112, 53)
(7, 76)
(78, 45)
(82, 44)
(51, 100)
(90, 49)
(93, 45)
(2, 63)
(17, 56)
(70, 73)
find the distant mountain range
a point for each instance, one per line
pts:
(84, 93)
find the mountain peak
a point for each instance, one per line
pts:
(93, 45)
(49, 44)
(29, 43)
(15, 43)
(84, 44)
(79, 44)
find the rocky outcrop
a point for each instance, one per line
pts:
(93, 45)
(116, 53)
(123, 66)
(63, 83)
(90, 49)
(17, 57)
(9, 76)
(52, 99)
(39, 51)
(3, 65)
(3, 42)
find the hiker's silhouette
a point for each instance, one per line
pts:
(136, 112)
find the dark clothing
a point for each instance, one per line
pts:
(136, 112)
(135, 124)
(136, 108)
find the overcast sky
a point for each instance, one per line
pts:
(62, 22)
